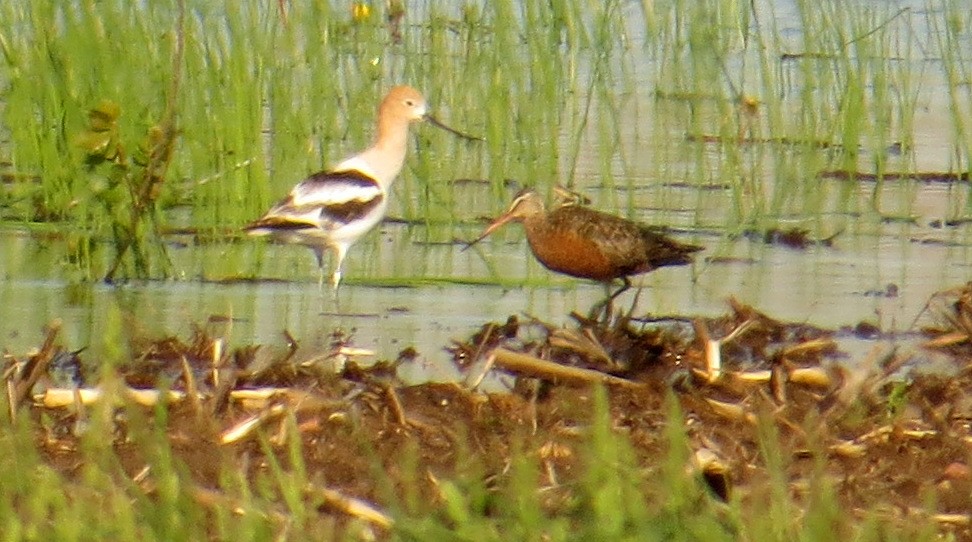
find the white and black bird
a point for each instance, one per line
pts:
(332, 209)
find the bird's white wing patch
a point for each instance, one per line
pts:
(333, 189)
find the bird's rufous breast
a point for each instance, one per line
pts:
(567, 252)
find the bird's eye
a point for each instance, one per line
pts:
(410, 103)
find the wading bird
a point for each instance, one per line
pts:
(332, 209)
(578, 241)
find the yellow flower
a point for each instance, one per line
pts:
(360, 11)
(749, 104)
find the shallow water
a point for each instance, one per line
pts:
(827, 286)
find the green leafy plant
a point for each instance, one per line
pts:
(128, 187)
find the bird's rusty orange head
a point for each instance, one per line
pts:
(526, 203)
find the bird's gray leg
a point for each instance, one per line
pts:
(340, 251)
(608, 303)
(634, 302)
(319, 254)
(624, 288)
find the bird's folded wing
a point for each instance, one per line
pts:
(324, 199)
(334, 188)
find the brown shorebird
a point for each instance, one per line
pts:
(332, 209)
(578, 241)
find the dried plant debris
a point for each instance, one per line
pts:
(743, 140)
(797, 238)
(886, 438)
(946, 177)
(949, 317)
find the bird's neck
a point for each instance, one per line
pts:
(386, 156)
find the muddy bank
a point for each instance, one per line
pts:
(887, 435)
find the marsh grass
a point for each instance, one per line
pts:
(836, 96)
(614, 498)
(951, 33)
(597, 96)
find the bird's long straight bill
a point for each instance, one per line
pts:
(439, 124)
(489, 229)
(471, 243)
